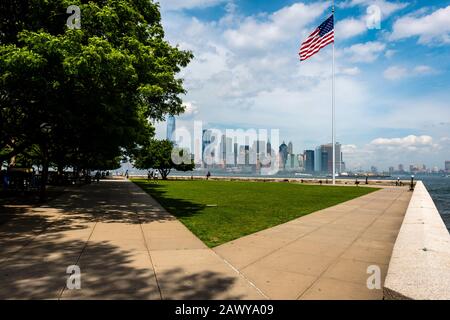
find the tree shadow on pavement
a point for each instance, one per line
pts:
(178, 207)
(37, 244)
(38, 271)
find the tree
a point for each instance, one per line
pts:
(160, 154)
(94, 88)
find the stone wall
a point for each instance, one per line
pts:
(420, 264)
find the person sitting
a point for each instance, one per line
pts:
(97, 176)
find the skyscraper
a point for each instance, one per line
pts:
(309, 160)
(170, 133)
(269, 148)
(324, 161)
(447, 166)
(324, 158)
(318, 159)
(283, 152)
(290, 148)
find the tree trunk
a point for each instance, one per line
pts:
(164, 173)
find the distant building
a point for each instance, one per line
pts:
(269, 148)
(283, 152)
(290, 148)
(391, 170)
(374, 169)
(447, 166)
(318, 159)
(323, 158)
(309, 160)
(401, 168)
(301, 162)
(292, 163)
(170, 133)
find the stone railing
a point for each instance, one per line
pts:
(420, 262)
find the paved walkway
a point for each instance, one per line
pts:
(324, 255)
(126, 245)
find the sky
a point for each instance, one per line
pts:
(392, 74)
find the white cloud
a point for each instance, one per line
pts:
(349, 71)
(399, 72)
(174, 5)
(434, 27)
(364, 52)
(387, 7)
(395, 73)
(349, 28)
(391, 151)
(390, 53)
(423, 69)
(404, 142)
(349, 148)
(256, 33)
(190, 109)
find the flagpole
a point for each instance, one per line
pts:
(333, 129)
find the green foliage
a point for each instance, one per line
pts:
(95, 88)
(159, 154)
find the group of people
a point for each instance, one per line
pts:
(152, 175)
(101, 175)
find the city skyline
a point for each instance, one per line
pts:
(232, 152)
(292, 149)
(238, 81)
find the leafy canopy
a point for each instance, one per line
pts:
(95, 88)
(159, 155)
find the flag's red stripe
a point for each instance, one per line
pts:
(312, 43)
(318, 40)
(304, 57)
(311, 53)
(311, 36)
(318, 43)
(318, 49)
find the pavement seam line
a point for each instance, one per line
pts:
(146, 246)
(215, 253)
(151, 261)
(334, 262)
(292, 241)
(79, 256)
(244, 277)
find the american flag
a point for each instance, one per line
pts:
(321, 37)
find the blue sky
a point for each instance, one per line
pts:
(392, 83)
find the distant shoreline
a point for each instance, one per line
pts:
(307, 180)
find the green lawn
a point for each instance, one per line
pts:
(220, 211)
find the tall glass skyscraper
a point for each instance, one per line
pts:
(309, 160)
(323, 158)
(170, 134)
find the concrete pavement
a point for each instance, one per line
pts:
(326, 254)
(126, 245)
